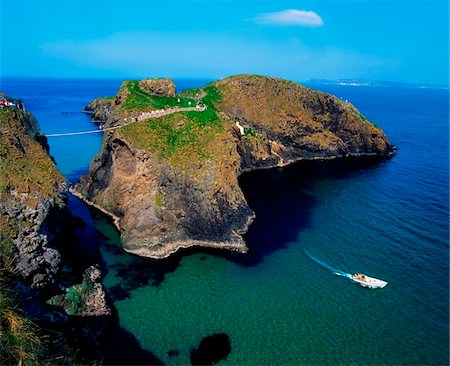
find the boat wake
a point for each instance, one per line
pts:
(335, 271)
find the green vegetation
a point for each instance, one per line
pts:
(251, 132)
(180, 137)
(20, 342)
(177, 137)
(159, 198)
(212, 96)
(24, 165)
(192, 93)
(74, 295)
(143, 101)
(364, 118)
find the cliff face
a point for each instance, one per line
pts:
(34, 224)
(100, 109)
(160, 208)
(32, 198)
(171, 182)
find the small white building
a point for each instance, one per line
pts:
(241, 129)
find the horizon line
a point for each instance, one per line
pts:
(310, 80)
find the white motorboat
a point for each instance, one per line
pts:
(367, 281)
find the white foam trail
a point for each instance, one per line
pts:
(335, 271)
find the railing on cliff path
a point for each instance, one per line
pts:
(141, 117)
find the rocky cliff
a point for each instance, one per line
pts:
(32, 198)
(34, 227)
(172, 182)
(100, 109)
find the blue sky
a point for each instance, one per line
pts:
(396, 40)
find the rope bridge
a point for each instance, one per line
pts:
(145, 115)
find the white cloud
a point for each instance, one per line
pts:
(291, 17)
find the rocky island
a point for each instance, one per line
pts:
(170, 180)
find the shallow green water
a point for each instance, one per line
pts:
(288, 309)
(388, 220)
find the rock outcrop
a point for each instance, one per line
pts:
(32, 198)
(172, 182)
(100, 109)
(85, 299)
(159, 87)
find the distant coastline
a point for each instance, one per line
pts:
(182, 82)
(374, 83)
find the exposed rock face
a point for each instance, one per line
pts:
(100, 109)
(32, 198)
(34, 226)
(85, 299)
(159, 87)
(155, 203)
(172, 183)
(34, 231)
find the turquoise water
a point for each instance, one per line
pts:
(387, 219)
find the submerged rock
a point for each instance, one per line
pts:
(211, 350)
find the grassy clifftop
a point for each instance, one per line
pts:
(28, 176)
(180, 137)
(268, 108)
(135, 98)
(24, 165)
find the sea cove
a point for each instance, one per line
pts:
(388, 219)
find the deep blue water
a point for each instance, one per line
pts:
(389, 219)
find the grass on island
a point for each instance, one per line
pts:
(24, 169)
(143, 101)
(180, 137)
(363, 117)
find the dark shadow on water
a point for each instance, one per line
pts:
(82, 249)
(211, 350)
(120, 347)
(140, 272)
(282, 200)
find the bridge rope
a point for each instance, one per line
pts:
(147, 115)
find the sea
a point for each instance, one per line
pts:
(289, 300)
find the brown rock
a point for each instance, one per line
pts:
(160, 87)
